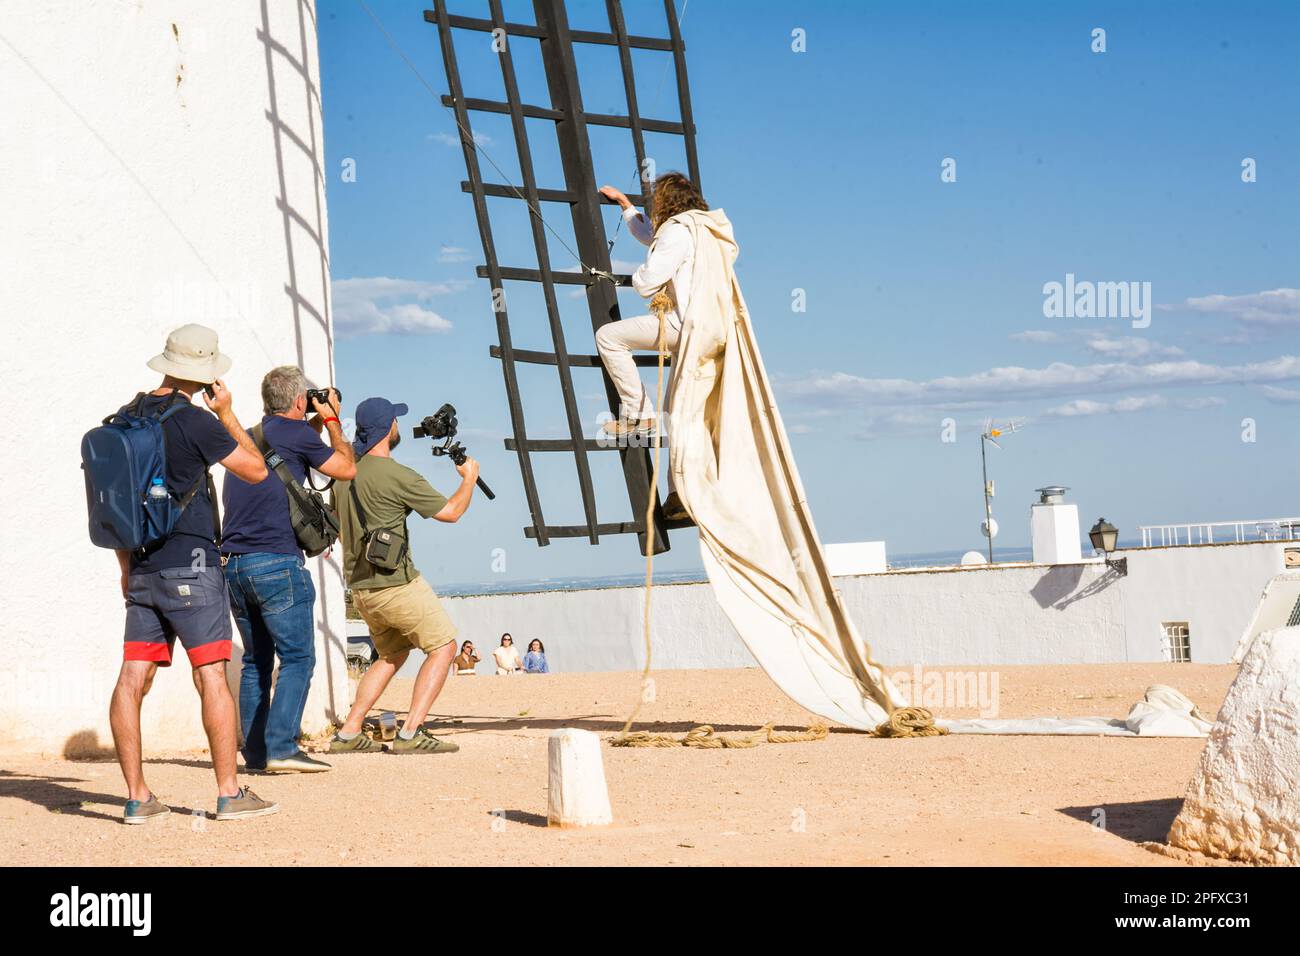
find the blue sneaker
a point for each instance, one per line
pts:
(143, 811)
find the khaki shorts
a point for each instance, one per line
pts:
(404, 616)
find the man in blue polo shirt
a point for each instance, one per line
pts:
(271, 591)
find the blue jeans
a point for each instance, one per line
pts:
(272, 597)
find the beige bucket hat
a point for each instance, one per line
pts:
(191, 354)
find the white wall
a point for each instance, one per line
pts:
(1010, 614)
(1215, 588)
(143, 185)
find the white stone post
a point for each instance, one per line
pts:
(577, 793)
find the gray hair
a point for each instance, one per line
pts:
(281, 388)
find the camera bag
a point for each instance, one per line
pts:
(314, 523)
(382, 547)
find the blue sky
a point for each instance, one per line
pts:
(925, 298)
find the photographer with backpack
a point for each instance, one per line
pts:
(150, 499)
(269, 526)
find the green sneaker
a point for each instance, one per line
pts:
(144, 811)
(245, 804)
(422, 743)
(358, 744)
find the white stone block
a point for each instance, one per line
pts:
(577, 793)
(1243, 802)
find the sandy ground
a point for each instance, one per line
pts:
(849, 799)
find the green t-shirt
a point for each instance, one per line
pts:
(389, 491)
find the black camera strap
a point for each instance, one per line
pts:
(356, 503)
(361, 512)
(276, 463)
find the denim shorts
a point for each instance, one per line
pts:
(177, 602)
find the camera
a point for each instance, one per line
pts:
(441, 426)
(322, 395)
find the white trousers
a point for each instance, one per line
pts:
(615, 342)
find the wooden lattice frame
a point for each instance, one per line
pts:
(580, 194)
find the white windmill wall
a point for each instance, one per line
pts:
(143, 186)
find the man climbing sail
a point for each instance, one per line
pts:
(668, 269)
(731, 466)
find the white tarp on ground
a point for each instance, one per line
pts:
(734, 470)
(1163, 712)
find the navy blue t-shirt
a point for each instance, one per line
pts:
(195, 442)
(257, 516)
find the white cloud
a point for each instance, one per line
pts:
(1195, 404)
(1131, 347)
(1100, 343)
(1280, 396)
(1036, 336)
(1274, 307)
(453, 139)
(448, 253)
(1084, 406)
(1133, 403)
(841, 390)
(379, 304)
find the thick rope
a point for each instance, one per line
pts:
(660, 305)
(704, 737)
(909, 722)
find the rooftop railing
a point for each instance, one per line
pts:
(1220, 532)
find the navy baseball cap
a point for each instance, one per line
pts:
(375, 416)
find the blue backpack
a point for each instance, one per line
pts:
(125, 464)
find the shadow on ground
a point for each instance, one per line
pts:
(465, 723)
(1145, 821)
(59, 795)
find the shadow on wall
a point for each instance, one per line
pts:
(306, 218)
(1057, 587)
(307, 279)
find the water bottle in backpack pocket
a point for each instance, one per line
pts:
(125, 464)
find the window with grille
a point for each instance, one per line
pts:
(1177, 642)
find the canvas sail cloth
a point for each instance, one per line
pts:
(734, 471)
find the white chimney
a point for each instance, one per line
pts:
(1054, 527)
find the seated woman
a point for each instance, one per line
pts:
(535, 659)
(506, 656)
(466, 659)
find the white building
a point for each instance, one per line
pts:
(1190, 602)
(160, 163)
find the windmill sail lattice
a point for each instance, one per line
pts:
(579, 192)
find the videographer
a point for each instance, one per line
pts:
(393, 598)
